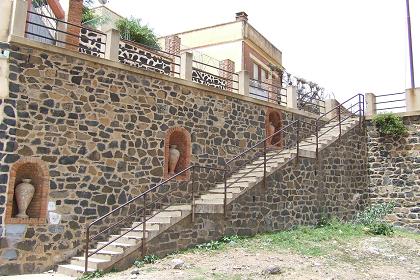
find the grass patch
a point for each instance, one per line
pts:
(307, 240)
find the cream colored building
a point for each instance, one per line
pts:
(237, 41)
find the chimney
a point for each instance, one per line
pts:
(241, 16)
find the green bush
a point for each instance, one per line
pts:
(92, 275)
(132, 29)
(389, 124)
(372, 218)
(381, 229)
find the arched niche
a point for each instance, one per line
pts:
(37, 171)
(274, 117)
(181, 138)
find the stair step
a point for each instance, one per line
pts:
(135, 232)
(72, 270)
(234, 185)
(216, 195)
(116, 246)
(96, 264)
(129, 239)
(104, 254)
(229, 190)
(158, 219)
(168, 214)
(216, 201)
(184, 207)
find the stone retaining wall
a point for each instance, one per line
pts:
(298, 194)
(394, 172)
(100, 131)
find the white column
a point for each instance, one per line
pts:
(112, 44)
(186, 66)
(5, 18)
(18, 19)
(370, 104)
(243, 82)
(291, 96)
(412, 99)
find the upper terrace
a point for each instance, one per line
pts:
(45, 25)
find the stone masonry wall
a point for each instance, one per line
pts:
(100, 131)
(394, 172)
(298, 194)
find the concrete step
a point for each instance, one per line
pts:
(168, 214)
(229, 190)
(217, 201)
(183, 208)
(216, 195)
(104, 254)
(138, 232)
(96, 264)
(72, 270)
(115, 246)
(129, 239)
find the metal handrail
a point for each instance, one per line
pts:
(143, 209)
(360, 112)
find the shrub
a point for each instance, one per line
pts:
(381, 229)
(389, 124)
(132, 29)
(372, 218)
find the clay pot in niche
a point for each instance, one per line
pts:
(24, 192)
(173, 158)
(270, 131)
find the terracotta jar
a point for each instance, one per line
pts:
(173, 158)
(270, 131)
(24, 192)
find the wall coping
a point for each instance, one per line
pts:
(150, 74)
(402, 114)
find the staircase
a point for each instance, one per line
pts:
(211, 202)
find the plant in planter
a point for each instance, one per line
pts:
(131, 29)
(389, 124)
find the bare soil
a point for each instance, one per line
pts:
(369, 257)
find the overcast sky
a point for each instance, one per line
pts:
(346, 46)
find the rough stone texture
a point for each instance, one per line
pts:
(101, 132)
(394, 171)
(297, 194)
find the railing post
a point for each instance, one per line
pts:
(291, 96)
(193, 195)
(186, 66)
(371, 103)
(297, 142)
(360, 112)
(87, 249)
(18, 19)
(112, 44)
(143, 240)
(317, 138)
(265, 164)
(339, 121)
(243, 82)
(225, 194)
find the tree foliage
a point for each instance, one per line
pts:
(132, 29)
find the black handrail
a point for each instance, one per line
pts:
(143, 209)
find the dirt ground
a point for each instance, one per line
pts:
(366, 258)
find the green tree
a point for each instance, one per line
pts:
(132, 29)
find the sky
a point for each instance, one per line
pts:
(346, 46)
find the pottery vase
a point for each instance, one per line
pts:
(173, 158)
(24, 192)
(271, 130)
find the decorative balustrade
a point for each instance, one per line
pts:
(291, 92)
(141, 56)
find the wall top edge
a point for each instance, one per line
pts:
(59, 50)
